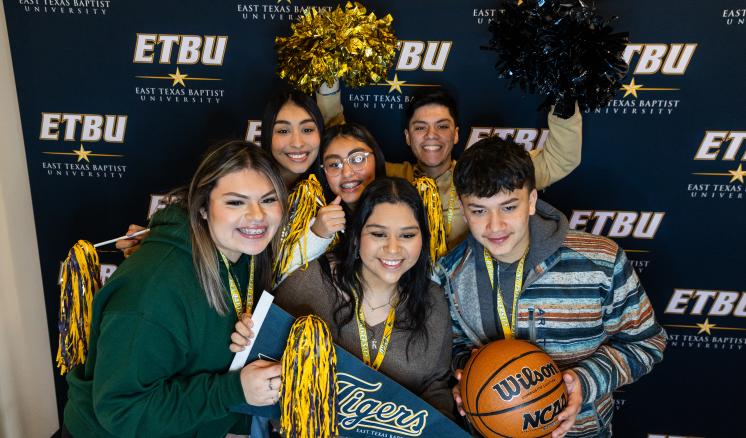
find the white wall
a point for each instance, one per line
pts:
(27, 399)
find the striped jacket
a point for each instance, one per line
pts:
(583, 305)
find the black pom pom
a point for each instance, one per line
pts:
(561, 49)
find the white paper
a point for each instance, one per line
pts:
(260, 312)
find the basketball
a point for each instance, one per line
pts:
(512, 388)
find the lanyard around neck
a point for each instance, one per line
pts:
(507, 326)
(238, 304)
(363, 333)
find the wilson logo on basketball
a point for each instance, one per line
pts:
(511, 386)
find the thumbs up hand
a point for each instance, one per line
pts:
(329, 219)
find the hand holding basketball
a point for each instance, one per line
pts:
(513, 388)
(574, 401)
(456, 391)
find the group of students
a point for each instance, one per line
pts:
(166, 325)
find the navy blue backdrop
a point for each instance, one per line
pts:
(111, 120)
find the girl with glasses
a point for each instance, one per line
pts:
(351, 159)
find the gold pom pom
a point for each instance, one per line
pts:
(81, 278)
(340, 44)
(308, 394)
(303, 203)
(428, 190)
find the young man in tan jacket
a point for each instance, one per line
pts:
(432, 131)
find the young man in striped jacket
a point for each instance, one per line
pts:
(522, 273)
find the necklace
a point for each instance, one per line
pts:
(363, 334)
(387, 303)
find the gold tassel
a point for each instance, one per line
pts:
(303, 204)
(308, 395)
(428, 190)
(81, 278)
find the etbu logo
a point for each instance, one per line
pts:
(83, 127)
(721, 145)
(707, 303)
(530, 138)
(668, 59)
(639, 225)
(423, 55)
(182, 49)
(254, 131)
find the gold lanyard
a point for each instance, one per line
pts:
(508, 327)
(363, 333)
(235, 293)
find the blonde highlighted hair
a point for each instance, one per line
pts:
(219, 161)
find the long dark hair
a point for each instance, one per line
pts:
(414, 296)
(357, 132)
(275, 103)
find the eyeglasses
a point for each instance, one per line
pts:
(356, 161)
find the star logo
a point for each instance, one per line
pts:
(395, 84)
(738, 174)
(705, 327)
(82, 154)
(735, 175)
(178, 78)
(631, 88)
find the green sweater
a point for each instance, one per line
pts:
(158, 358)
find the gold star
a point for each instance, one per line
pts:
(178, 78)
(738, 174)
(705, 327)
(631, 88)
(395, 84)
(82, 153)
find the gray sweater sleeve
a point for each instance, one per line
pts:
(436, 390)
(304, 292)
